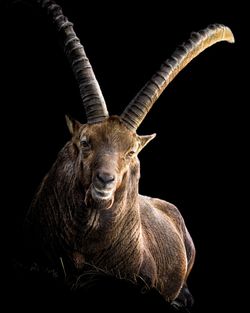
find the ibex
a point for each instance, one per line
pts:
(88, 210)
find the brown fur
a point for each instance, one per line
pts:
(127, 234)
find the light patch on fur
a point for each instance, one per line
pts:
(98, 194)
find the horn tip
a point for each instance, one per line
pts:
(229, 36)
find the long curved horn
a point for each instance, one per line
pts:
(90, 91)
(137, 109)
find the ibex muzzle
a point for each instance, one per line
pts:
(105, 178)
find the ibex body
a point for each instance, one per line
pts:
(88, 210)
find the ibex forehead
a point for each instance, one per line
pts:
(111, 131)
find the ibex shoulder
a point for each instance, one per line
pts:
(161, 206)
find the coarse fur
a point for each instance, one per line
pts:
(127, 234)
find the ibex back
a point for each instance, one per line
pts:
(88, 210)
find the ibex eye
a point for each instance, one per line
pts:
(131, 153)
(84, 143)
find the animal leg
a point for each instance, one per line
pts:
(185, 300)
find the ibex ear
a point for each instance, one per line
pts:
(144, 140)
(72, 124)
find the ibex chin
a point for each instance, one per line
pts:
(88, 210)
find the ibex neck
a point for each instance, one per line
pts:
(104, 223)
(86, 233)
(116, 226)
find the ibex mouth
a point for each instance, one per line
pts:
(98, 194)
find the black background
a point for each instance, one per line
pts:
(197, 156)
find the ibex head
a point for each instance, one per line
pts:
(107, 146)
(106, 150)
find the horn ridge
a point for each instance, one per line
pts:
(90, 92)
(185, 53)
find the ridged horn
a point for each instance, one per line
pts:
(91, 95)
(137, 109)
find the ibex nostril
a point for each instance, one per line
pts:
(105, 178)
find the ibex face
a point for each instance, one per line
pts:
(106, 150)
